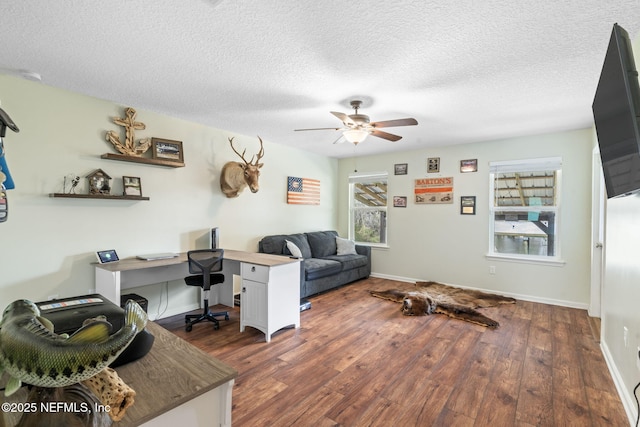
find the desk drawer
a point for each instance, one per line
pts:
(255, 272)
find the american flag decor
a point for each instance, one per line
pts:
(303, 191)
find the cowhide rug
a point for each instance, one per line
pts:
(432, 297)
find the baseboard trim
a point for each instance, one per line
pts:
(530, 298)
(397, 278)
(627, 399)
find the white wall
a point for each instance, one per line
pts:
(435, 242)
(48, 244)
(621, 291)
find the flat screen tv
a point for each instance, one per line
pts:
(615, 112)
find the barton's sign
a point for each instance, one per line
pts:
(433, 190)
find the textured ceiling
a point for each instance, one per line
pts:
(466, 70)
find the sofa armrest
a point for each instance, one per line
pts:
(364, 250)
(303, 275)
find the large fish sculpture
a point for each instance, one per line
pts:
(32, 353)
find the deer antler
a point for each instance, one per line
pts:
(236, 151)
(260, 153)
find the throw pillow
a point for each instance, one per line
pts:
(345, 246)
(295, 250)
(300, 240)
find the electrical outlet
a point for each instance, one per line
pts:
(625, 336)
(492, 269)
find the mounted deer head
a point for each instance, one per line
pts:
(235, 176)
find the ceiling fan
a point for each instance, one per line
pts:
(358, 126)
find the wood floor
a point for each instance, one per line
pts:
(357, 361)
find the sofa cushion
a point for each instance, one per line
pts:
(316, 268)
(322, 243)
(273, 244)
(277, 244)
(300, 240)
(349, 262)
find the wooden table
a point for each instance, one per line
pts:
(176, 384)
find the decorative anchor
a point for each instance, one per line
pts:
(130, 147)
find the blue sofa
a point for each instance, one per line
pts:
(322, 267)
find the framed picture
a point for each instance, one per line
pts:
(400, 168)
(433, 164)
(467, 205)
(132, 186)
(470, 165)
(167, 149)
(399, 201)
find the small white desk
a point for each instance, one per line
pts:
(273, 305)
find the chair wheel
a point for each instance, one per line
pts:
(188, 328)
(226, 317)
(216, 326)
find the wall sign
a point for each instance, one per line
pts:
(433, 190)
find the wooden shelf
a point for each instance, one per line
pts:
(144, 160)
(96, 196)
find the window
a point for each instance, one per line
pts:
(525, 206)
(368, 208)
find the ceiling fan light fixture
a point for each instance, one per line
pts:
(355, 136)
(358, 126)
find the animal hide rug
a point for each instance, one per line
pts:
(432, 297)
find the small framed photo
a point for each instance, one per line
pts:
(467, 205)
(399, 201)
(132, 186)
(400, 169)
(167, 149)
(433, 164)
(469, 165)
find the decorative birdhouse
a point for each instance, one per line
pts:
(99, 182)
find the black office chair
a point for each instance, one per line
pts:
(205, 263)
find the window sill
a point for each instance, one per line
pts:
(374, 245)
(556, 262)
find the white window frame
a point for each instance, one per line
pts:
(526, 165)
(366, 177)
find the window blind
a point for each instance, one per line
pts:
(529, 165)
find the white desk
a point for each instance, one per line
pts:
(268, 303)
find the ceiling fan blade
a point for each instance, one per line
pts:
(298, 130)
(385, 135)
(340, 139)
(343, 117)
(393, 123)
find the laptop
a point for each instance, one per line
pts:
(160, 255)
